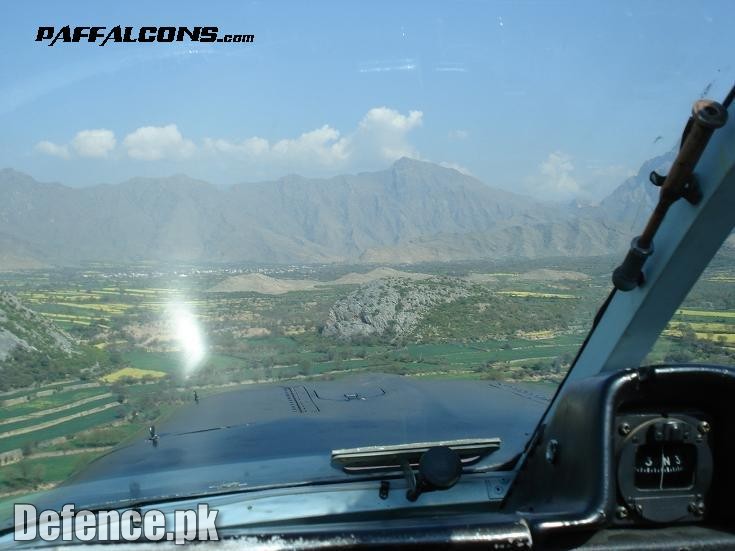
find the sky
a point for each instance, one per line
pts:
(555, 99)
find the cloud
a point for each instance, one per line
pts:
(152, 143)
(94, 143)
(384, 117)
(252, 147)
(322, 146)
(556, 175)
(55, 150)
(380, 136)
(559, 177)
(86, 143)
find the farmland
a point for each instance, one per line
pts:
(150, 335)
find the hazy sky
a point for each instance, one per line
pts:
(556, 99)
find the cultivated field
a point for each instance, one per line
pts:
(149, 336)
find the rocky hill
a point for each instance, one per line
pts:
(32, 348)
(21, 327)
(390, 307)
(266, 285)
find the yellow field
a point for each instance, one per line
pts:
(537, 335)
(134, 373)
(534, 294)
(709, 336)
(98, 307)
(103, 345)
(79, 320)
(706, 327)
(716, 337)
(113, 308)
(705, 313)
(67, 317)
(288, 331)
(65, 295)
(98, 301)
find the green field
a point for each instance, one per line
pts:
(48, 469)
(62, 429)
(26, 423)
(172, 361)
(508, 327)
(57, 399)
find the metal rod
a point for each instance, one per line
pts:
(707, 115)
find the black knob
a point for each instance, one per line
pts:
(440, 467)
(629, 274)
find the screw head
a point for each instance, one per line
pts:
(624, 429)
(621, 512)
(552, 451)
(696, 508)
(704, 427)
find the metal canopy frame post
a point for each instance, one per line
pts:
(688, 239)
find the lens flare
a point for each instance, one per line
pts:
(188, 334)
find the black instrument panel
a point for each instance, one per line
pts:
(664, 467)
(636, 450)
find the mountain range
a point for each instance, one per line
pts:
(413, 211)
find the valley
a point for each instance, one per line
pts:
(119, 301)
(144, 337)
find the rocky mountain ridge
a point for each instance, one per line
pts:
(414, 211)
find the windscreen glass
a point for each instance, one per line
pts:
(199, 199)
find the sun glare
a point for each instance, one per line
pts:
(188, 335)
